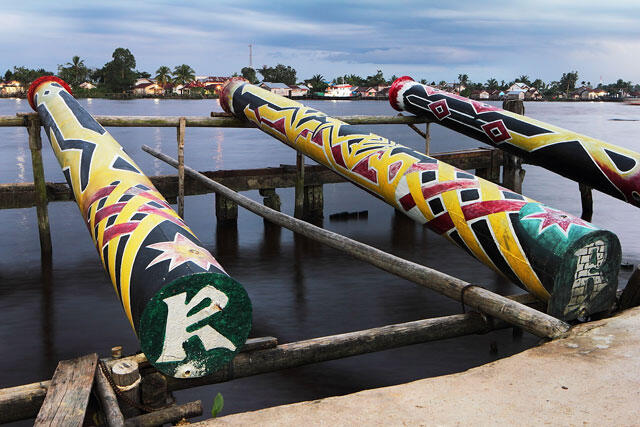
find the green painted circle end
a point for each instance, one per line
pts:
(195, 325)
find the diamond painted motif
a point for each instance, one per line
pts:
(496, 131)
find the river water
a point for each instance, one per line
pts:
(299, 289)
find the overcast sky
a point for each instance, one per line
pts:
(423, 39)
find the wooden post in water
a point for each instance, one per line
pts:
(535, 246)
(126, 376)
(181, 129)
(298, 211)
(427, 138)
(271, 198)
(513, 174)
(190, 316)
(586, 199)
(611, 169)
(35, 146)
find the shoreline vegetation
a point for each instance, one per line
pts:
(119, 79)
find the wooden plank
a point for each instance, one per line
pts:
(68, 395)
(40, 187)
(23, 195)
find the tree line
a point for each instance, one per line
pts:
(120, 74)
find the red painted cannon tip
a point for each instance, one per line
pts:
(395, 88)
(37, 82)
(224, 92)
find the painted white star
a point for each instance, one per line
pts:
(182, 250)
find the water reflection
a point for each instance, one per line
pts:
(218, 138)
(20, 159)
(47, 315)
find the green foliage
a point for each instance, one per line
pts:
(463, 79)
(119, 74)
(278, 74)
(218, 404)
(492, 84)
(26, 75)
(143, 74)
(249, 74)
(74, 72)
(375, 80)
(163, 75)
(568, 81)
(316, 83)
(183, 74)
(524, 79)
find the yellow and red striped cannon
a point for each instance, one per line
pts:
(190, 317)
(559, 258)
(611, 169)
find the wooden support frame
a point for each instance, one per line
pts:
(533, 321)
(299, 187)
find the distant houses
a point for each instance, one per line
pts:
(11, 88)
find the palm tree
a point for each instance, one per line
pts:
(492, 84)
(77, 69)
(317, 83)
(463, 79)
(163, 75)
(183, 74)
(524, 79)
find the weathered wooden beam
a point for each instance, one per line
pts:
(171, 414)
(204, 121)
(66, 401)
(22, 195)
(292, 355)
(108, 400)
(23, 402)
(482, 299)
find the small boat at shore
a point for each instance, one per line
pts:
(632, 101)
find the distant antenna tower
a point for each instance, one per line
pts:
(250, 56)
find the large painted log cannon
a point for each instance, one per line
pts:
(611, 169)
(559, 258)
(190, 317)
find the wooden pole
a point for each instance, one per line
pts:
(40, 186)
(481, 299)
(126, 376)
(495, 225)
(172, 414)
(299, 189)
(152, 257)
(586, 198)
(181, 127)
(316, 350)
(512, 171)
(427, 138)
(108, 400)
(631, 294)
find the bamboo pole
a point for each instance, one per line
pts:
(181, 128)
(35, 146)
(427, 138)
(481, 299)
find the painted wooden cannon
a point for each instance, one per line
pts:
(559, 258)
(611, 169)
(190, 317)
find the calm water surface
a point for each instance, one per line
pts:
(299, 289)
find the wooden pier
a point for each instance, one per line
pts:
(261, 355)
